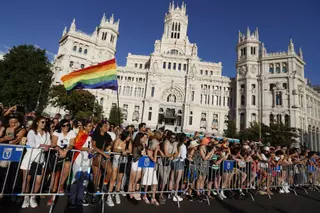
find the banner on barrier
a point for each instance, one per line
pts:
(10, 153)
(145, 162)
(228, 165)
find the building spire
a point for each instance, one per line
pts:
(300, 53)
(64, 31)
(73, 25)
(239, 36)
(248, 32)
(256, 33)
(111, 20)
(103, 19)
(291, 47)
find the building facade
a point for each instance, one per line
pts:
(174, 88)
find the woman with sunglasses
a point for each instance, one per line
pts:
(63, 141)
(33, 161)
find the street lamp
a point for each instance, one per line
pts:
(38, 101)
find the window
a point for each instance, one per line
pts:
(271, 87)
(271, 71)
(279, 118)
(287, 120)
(71, 64)
(224, 101)
(206, 72)
(164, 65)
(85, 51)
(211, 72)
(82, 66)
(253, 86)
(171, 98)
(242, 87)
(192, 96)
(242, 121)
(284, 68)
(243, 100)
(149, 116)
(140, 66)
(179, 67)
(253, 101)
(174, 66)
(279, 98)
(201, 72)
(169, 65)
(80, 50)
(112, 38)
(190, 118)
(271, 118)
(174, 52)
(74, 48)
(284, 85)
(278, 68)
(253, 50)
(104, 36)
(152, 92)
(135, 65)
(184, 67)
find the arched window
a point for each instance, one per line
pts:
(253, 101)
(279, 118)
(243, 100)
(242, 121)
(279, 99)
(284, 67)
(172, 98)
(74, 48)
(164, 65)
(271, 118)
(284, 85)
(85, 51)
(271, 71)
(152, 92)
(82, 66)
(174, 52)
(287, 120)
(277, 68)
(71, 64)
(80, 50)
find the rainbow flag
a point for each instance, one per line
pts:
(101, 76)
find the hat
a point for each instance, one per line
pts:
(246, 146)
(214, 142)
(205, 141)
(224, 146)
(193, 144)
(266, 148)
(225, 140)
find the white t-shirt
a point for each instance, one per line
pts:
(112, 135)
(263, 164)
(64, 141)
(182, 152)
(83, 158)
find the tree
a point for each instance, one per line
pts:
(282, 135)
(80, 103)
(24, 71)
(115, 114)
(231, 131)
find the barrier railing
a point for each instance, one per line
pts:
(29, 172)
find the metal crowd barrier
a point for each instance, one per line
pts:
(111, 175)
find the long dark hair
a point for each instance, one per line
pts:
(61, 123)
(34, 125)
(124, 135)
(99, 126)
(137, 139)
(182, 138)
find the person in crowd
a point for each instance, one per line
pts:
(142, 128)
(38, 140)
(191, 173)
(170, 150)
(149, 177)
(138, 150)
(177, 166)
(122, 146)
(63, 140)
(102, 140)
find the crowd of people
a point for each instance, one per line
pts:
(84, 158)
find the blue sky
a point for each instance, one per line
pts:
(213, 25)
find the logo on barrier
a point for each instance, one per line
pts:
(228, 165)
(10, 153)
(7, 152)
(145, 162)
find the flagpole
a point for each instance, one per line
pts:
(94, 103)
(118, 101)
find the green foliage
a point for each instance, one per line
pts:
(231, 131)
(276, 134)
(80, 103)
(115, 115)
(20, 72)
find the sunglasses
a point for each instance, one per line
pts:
(66, 125)
(42, 122)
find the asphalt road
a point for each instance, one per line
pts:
(285, 203)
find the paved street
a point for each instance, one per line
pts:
(287, 203)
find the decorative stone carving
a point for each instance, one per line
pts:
(136, 114)
(157, 46)
(172, 93)
(243, 70)
(254, 69)
(215, 121)
(203, 121)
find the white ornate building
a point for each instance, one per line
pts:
(173, 87)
